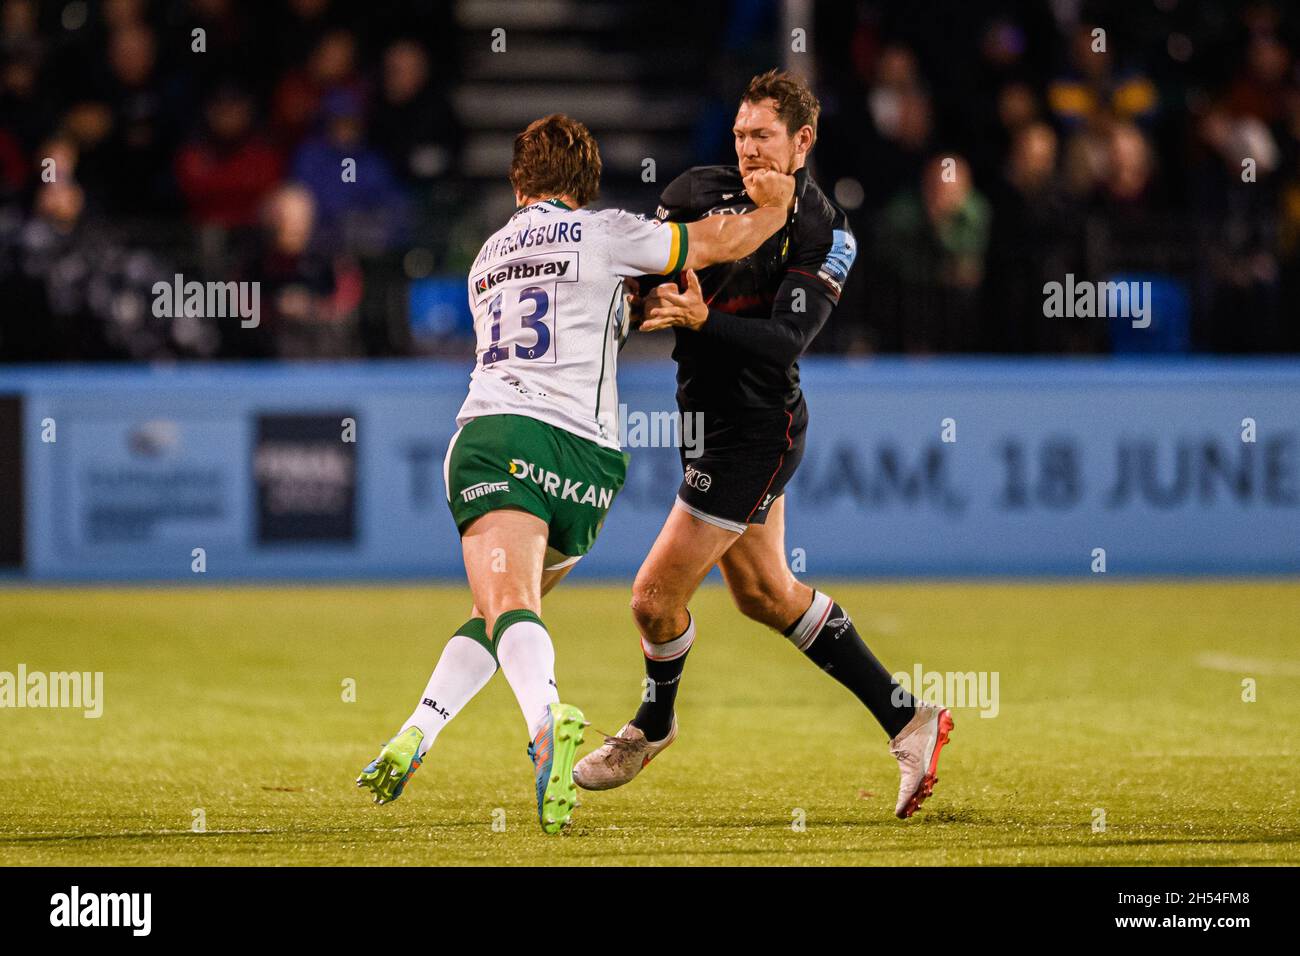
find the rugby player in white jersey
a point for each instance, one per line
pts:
(536, 463)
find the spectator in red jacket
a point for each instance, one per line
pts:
(227, 171)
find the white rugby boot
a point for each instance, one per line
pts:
(619, 758)
(916, 748)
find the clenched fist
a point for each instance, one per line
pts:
(770, 188)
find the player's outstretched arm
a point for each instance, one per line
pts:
(717, 239)
(800, 310)
(798, 314)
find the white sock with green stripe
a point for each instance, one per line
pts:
(465, 667)
(528, 660)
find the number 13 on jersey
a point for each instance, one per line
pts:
(515, 307)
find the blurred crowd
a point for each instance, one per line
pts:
(986, 149)
(209, 138)
(981, 150)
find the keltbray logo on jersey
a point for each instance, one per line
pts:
(483, 488)
(546, 269)
(557, 486)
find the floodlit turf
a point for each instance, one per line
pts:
(1113, 697)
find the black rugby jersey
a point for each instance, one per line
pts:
(765, 309)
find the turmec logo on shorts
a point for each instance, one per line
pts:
(699, 480)
(563, 488)
(483, 488)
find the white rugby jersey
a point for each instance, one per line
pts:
(547, 295)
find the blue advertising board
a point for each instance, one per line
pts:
(943, 467)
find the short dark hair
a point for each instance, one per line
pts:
(795, 102)
(556, 156)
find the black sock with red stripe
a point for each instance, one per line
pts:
(664, 664)
(827, 636)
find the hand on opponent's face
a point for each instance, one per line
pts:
(770, 188)
(667, 305)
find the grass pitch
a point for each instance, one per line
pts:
(1117, 698)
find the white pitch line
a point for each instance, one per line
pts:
(1234, 755)
(1248, 666)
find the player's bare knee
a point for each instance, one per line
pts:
(647, 610)
(655, 613)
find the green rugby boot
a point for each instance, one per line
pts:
(553, 751)
(387, 774)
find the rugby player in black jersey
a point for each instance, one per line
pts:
(740, 329)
